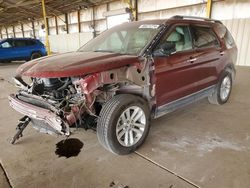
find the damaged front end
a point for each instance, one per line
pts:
(54, 105)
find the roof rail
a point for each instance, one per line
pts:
(195, 18)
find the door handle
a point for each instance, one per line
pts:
(222, 53)
(191, 60)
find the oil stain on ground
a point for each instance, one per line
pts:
(68, 148)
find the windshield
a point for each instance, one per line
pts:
(124, 39)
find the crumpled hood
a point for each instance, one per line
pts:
(74, 64)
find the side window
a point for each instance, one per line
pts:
(20, 43)
(6, 44)
(178, 40)
(30, 43)
(204, 37)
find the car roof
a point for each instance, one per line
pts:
(22, 38)
(177, 19)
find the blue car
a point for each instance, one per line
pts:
(13, 49)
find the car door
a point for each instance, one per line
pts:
(208, 55)
(6, 50)
(174, 69)
(21, 49)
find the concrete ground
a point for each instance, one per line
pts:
(201, 145)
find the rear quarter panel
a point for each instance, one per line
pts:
(230, 52)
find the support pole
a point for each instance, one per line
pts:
(46, 28)
(79, 21)
(13, 28)
(47, 20)
(56, 25)
(133, 8)
(1, 35)
(209, 8)
(67, 23)
(6, 30)
(93, 21)
(136, 9)
(33, 29)
(22, 30)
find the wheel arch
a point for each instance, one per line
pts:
(231, 69)
(35, 51)
(141, 95)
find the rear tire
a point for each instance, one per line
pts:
(123, 124)
(35, 55)
(223, 90)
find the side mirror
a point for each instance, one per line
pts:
(165, 49)
(168, 47)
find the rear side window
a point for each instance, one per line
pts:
(204, 37)
(229, 40)
(30, 43)
(224, 33)
(20, 43)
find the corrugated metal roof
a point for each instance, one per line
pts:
(13, 11)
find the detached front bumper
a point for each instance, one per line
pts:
(46, 116)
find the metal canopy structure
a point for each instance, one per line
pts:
(14, 11)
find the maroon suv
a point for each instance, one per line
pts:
(129, 74)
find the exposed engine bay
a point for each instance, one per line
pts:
(56, 104)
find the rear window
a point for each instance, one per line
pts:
(204, 37)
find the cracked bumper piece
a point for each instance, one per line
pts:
(43, 119)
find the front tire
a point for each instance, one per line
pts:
(123, 124)
(223, 90)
